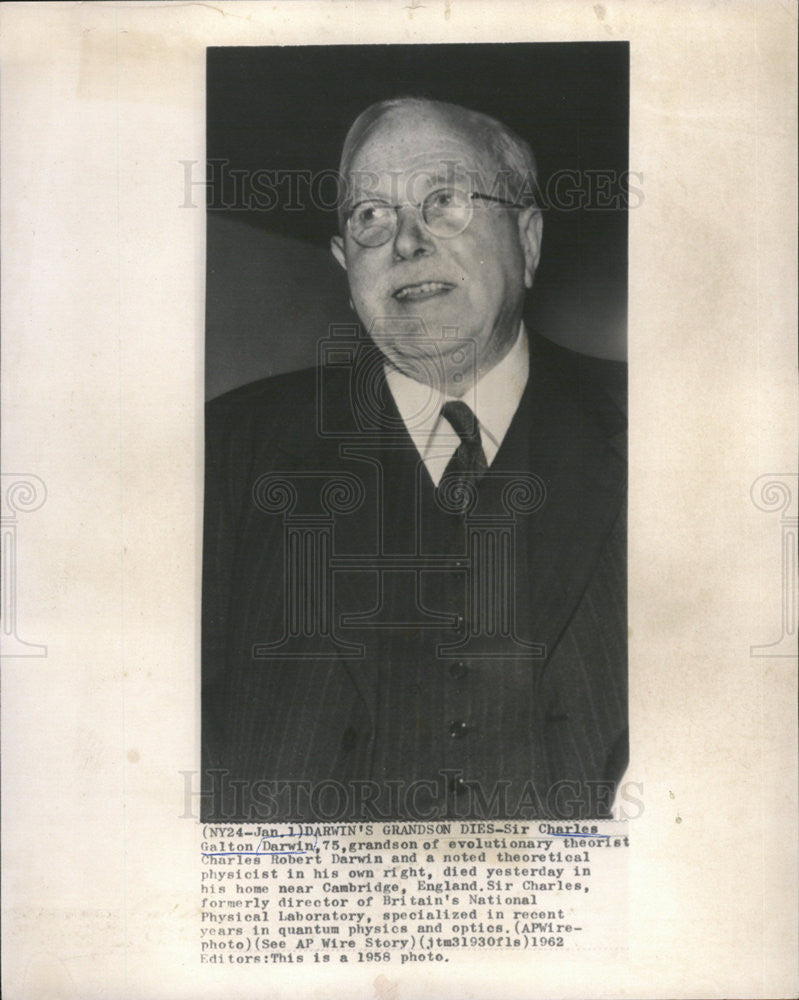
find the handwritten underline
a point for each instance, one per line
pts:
(258, 852)
(581, 836)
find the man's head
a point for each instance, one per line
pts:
(439, 231)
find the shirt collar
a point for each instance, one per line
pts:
(494, 399)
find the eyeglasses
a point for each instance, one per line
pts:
(446, 212)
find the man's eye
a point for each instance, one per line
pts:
(370, 214)
(443, 198)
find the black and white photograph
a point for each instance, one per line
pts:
(414, 598)
(398, 504)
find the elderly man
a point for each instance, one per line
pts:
(414, 557)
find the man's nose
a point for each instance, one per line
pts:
(411, 238)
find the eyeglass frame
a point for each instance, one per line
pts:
(419, 205)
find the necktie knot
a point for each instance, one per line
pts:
(464, 422)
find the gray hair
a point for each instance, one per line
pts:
(511, 154)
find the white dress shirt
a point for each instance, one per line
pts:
(494, 400)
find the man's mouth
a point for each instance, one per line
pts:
(422, 290)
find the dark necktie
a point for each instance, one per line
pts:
(468, 463)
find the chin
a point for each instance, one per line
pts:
(405, 347)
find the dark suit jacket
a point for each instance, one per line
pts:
(368, 654)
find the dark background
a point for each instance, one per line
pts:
(272, 285)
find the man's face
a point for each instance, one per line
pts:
(421, 295)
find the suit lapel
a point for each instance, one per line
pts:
(359, 431)
(557, 439)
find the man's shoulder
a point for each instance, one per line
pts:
(278, 412)
(274, 392)
(597, 387)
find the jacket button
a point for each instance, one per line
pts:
(457, 729)
(349, 739)
(458, 671)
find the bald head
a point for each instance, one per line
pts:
(501, 162)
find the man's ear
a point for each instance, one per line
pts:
(337, 249)
(531, 226)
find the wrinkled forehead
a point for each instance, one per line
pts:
(406, 153)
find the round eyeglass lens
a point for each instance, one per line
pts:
(447, 211)
(372, 223)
